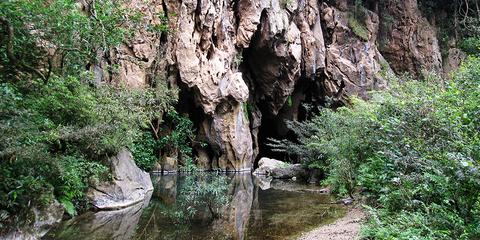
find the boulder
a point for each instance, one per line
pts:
(130, 184)
(279, 170)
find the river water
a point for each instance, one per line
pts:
(258, 209)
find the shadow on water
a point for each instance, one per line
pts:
(257, 209)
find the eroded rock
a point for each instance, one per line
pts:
(275, 56)
(353, 63)
(206, 53)
(244, 60)
(409, 42)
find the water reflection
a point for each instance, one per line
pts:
(116, 225)
(258, 209)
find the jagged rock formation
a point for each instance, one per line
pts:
(409, 42)
(251, 62)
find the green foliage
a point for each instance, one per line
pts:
(285, 3)
(145, 151)
(414, 151)
(358, 28)
(470, 45)
(181, 133)
(177, 136)
(47, 30)
(55, 134)
(356, 20)
(54, 140)
(289, 101)
(200, 192)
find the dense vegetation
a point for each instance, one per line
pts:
(58, 124)
(413, 151)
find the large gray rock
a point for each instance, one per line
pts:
(42, 220)
(278, 169)
(130, 184)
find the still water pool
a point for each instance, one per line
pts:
(257, 209)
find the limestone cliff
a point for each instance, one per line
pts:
(251, 63)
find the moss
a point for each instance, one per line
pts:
(358, 28)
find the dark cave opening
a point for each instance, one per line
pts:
(300, 106)
(187, 106)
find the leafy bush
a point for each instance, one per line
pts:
(49, 32)
(57, 126)
(145, 151)
(470, 45)
(198, 193)
(54, 140)
(413, 151)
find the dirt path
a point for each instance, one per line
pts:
(346, 228)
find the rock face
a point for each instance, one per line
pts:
(353, 62)
(246, 61)
(42, 220)
(409, 42)
(130, 185)
(452, 62)
(280, 170)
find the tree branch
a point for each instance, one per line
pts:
(11, 55)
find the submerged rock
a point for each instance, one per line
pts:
(130, 184)
(278, 169)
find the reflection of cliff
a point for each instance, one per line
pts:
(236, 214)
(114, 225)
(257, 209)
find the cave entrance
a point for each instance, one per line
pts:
(188, 107)
(299, 106)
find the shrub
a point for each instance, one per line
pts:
(412, 149)
(145, 151)
(55, 140)
(470, 45)
(57, 126)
